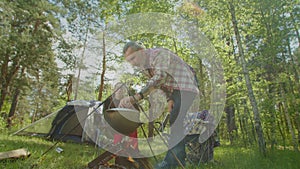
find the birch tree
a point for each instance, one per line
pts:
(258, 127)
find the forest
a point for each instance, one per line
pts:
(55, 51)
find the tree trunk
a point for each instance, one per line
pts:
(281, 131)
(13, 107)
(230, 121)
(81, 62)
(33, 118)
(289, 123)
(37, 98)
(3, 94)
(271, 111)
(101, 87)
(273, 130)
(242, 127)
(296, 28)
(272, 72)
(298, 125)
(295, 65)
(69, 87)
(258, 127)
(14, 103)
(4, 85)
(252, 126)
(6, 77)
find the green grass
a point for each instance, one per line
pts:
(250, 158)
(74, 156)
(77, 156)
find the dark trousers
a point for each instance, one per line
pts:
(182, 102)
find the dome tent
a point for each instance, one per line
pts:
(70, 123)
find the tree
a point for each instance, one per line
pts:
(258, 127)
(29, 30)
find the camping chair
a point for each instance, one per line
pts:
(197, 125)
(201, 137)
(200, 152)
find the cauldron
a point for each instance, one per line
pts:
(123, 120)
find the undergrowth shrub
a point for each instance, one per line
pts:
(2, 125)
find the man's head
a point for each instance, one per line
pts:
(133, 53)
(135, 46)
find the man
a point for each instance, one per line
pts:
(170, 73)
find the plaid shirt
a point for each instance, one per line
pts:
(168, 71)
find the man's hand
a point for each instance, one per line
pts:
(170, 105)
(126, 102)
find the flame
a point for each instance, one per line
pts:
(130, 159)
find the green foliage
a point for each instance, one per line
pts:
(2, 125)
(267, 35)
(140, 6)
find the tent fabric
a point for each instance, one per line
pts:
(71, 123)
(66, 125)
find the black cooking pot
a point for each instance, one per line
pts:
(123, 120)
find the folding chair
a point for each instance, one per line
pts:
(200, 139)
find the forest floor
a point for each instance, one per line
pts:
(77, 156)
